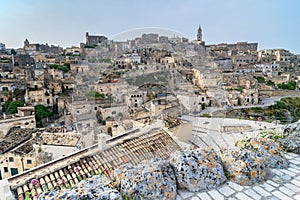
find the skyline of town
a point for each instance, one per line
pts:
(272, 25)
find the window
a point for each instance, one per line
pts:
(5, 169)
(14, 171)
(11, 159)
(29, 162)
(4, 89)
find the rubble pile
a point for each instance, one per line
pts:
(154, 179)
(198, 169)
(52, 130)
(97, 187)
(171, 122)
(243, 166)
(291, 142)
(267, 149)
(68, 139)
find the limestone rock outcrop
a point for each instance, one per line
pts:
(153, 179)
(267, 149)
(291, 142)
(198, 169)
(97, 187)
(243, 166)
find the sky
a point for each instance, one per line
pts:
(271, 23)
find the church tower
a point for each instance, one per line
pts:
(26, 43)
(199, 34)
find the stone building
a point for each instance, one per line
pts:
(2, 47)
(24, 119)
(227, 50)
(94, 39)
(274, 55)
(16, 152)
(23, 60)
(149, 38)
(39, 97)
(33, 49)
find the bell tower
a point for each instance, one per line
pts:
(199, 33)
(26, 43)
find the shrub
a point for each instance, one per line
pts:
(260, 79)
(287, 86)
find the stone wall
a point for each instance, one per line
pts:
(183, 131)
(279, 93)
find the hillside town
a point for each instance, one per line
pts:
(79, 113)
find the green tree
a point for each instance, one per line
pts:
(13, 52)
(41, 112)
(260, 79)
(5, 105)
(109, 131)
(287, 86)
(203, 106)
(65, 67)
(271, 83)
(12, 107)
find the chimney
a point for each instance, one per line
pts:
(102, 141)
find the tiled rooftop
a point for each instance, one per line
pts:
(70, 170)
(15, 137)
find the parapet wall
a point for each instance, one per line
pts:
(279, 93)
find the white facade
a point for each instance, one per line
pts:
(191, 102)
(2, 47)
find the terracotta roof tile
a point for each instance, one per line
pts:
(82, 165)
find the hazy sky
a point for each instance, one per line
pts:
(271, 23)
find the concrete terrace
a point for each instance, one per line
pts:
(207, 131)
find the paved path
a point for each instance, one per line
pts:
(280, 184)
